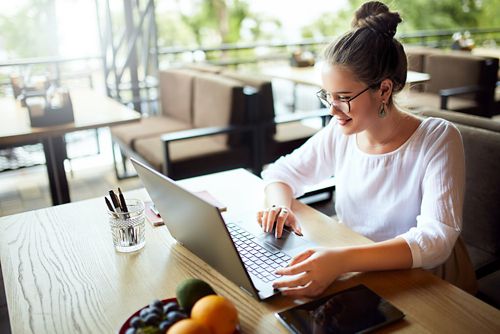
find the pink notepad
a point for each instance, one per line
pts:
(151, 216)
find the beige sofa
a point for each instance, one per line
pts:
(481, 214)
(203, 126)
(459, 81)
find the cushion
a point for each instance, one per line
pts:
(481, 212)
(461, 118)
(147, 127)
(151, 149)
(176, 90)
(481, 227)
(415, 58)
(452, 70)
(218, 101)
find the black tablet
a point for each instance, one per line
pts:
(355, 310)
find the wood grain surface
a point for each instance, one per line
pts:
(62, 274)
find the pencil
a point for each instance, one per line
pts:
(122, 201)
(115, 200)
(108, 203)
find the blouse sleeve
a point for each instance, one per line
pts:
(307, 165)
(440, 220)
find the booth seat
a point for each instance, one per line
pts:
(459, 81)
(481, 212)
(204, 126)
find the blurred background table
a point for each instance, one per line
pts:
(91, 110)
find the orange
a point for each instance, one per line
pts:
(217, 313)
(188, 326)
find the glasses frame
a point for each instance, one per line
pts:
(323, 97)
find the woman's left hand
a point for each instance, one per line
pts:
(314, 270)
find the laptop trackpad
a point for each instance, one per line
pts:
(288, 241)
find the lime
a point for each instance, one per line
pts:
(188, 292)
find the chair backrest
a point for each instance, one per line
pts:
(218, 101)
(451, 70)
(416, 56)
(176, 93)
(481, 214)
(416, 61)
(265, 98)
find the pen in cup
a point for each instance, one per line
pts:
(122, 201)
(115, 200)
(110, 206)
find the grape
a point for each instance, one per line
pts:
(136, 322)
(156, 318)
(144, 312)
(165, 325)
(174, 316)
(156, 304)
(152, 319)
(172, 306)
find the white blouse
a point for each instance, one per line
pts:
(415, 192)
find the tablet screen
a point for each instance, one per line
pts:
(355, 310)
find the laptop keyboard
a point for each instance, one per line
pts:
(258, 261)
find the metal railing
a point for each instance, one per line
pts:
(236, 54)
(224, 55)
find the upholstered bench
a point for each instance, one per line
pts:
(459, 81)
(481, 212)
(176, 86)
(217, 103)
(201, 128)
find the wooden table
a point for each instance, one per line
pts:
(62, 275)
(91, 110)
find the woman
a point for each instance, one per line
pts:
(399, 179)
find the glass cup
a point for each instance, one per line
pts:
(128, 228)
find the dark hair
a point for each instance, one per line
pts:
(370, 50)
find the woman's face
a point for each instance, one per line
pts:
(340, 83)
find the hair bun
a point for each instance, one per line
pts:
(376, 16)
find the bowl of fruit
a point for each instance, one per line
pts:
(197, 309)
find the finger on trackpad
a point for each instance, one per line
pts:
(288, 239)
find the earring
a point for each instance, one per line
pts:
(383, 111)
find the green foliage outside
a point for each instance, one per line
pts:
(417, 15)
(31, 31)
(211, 23)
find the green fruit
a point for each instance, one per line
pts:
(190, 291)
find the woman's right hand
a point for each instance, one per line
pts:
(280, 216)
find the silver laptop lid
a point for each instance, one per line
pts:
(197, 225)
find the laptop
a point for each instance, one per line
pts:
(237, 249)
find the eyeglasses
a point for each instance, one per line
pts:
(339, 104)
